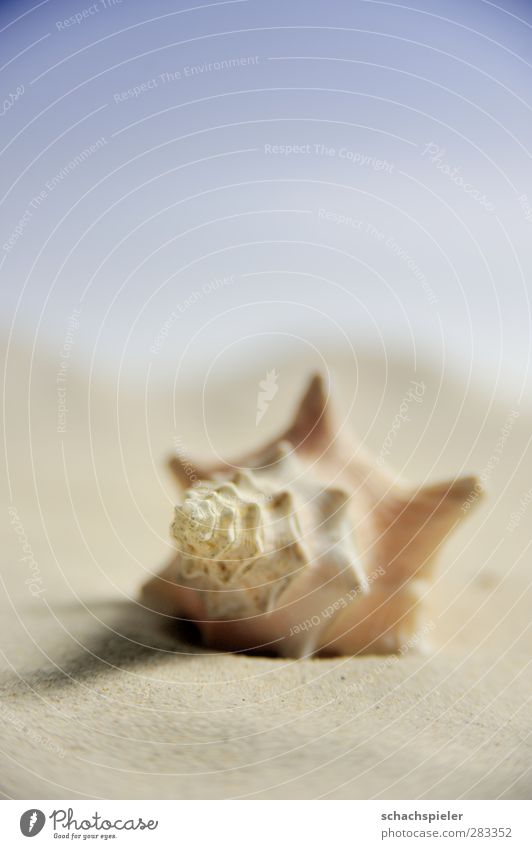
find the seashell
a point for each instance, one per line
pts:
(305, 547)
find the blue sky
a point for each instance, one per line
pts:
(197, 181)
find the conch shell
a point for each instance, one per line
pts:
(306, 547)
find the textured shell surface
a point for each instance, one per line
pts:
(245, 536)
(306, 546)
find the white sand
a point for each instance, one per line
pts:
(97, 701)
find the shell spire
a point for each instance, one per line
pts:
(311, 547)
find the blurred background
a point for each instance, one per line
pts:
(229, 179)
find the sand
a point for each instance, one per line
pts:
(97, 700)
